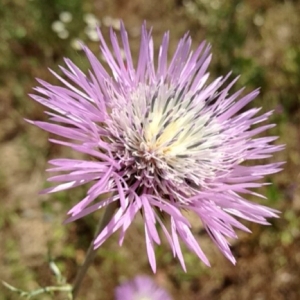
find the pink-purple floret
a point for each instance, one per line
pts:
(140, 288)
(84, 111)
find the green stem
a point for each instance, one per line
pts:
(48, 289)
(91, 253)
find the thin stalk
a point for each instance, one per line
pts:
(91, 253)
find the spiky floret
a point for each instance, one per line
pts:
(160, 140)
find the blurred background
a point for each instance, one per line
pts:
(258, 39)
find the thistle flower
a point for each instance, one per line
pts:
(140, 288)
(160, 140)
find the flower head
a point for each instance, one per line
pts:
(160, 140)
(140, 288)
